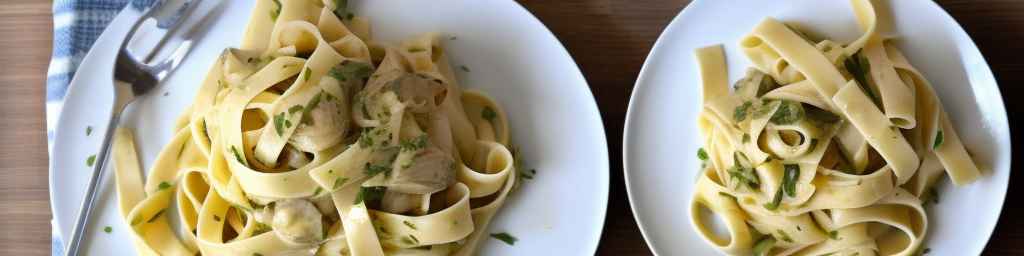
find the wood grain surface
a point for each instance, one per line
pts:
(608, 38)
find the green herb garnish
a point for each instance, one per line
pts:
(505, 237)
(833, 235)
(415, 143)
(858, 67)
(792, 172)
(789, 112)
(702, 155)
(216, 218)
(785, 237)
(488, 114)
(88, 130)
(163, 185)
(279, 124)
(351, 70)
(464, 68)
(90, 160)
(371, 169)
(416, 49)
(276, 12)
(763, 246)
(746, 138)
(308, 73)
(740, 113)
(338, 182)
(938, 140)
(318, 190)
(369, 194)
(294, 109)
(341, 8)
(774, 204)
(108, 229)
(238, 156)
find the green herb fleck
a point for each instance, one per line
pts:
(833, 235)
(279, 124)
(858, 67)
(238, 156)
(415, 143)
(785, 237)
(488, 114)
(276, 12)
(216, 218)
(702, 154)
(416, 49)
(91, 160)
(369, 194)
(294, 109)
(338, 182)
(308, 73)
(774, 204)
(740, 113)
(257, 254)
(163, 185)
(318, 190)
(351, 70)
(341, 8)
(792, 172)
(464, 68)
(108, 229)
(88, 130)
(746, 138)
(933, 195)
(763, 246)
(371, 169)
(789, 112)
(938, 140)
(505, 237)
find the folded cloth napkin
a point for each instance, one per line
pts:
(76, 25)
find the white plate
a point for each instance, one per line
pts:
(661, 137)
(512, 57)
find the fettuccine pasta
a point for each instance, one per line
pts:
(823, 148)
(314, 139)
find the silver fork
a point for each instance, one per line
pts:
(134, 77)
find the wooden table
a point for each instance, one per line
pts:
(609, 39)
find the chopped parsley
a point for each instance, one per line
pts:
(369, 194)
(524, 174)
(833, 235)
(276, 12)
(318, 190)
(742, 174)
(371, 169)
(108, 229)
(257, 254)
(792, 172)
(91, 160)
(746, 138)
(238, 156)
(702, 154)
(294, 109)
(505, 237)
(415, 143)
(488, 114)
(416, 49)
(351, 70)
(464, 68)
(763, 246)
(784, 236)
(789, 112)
(339, 181)
(307, 118)
(740, 113)
(163, 185)
(774, 204)
(933, 195)
(216, 218)
(341, 8)
(88, 130)
(858, 67)
(938, 140)
(279, 124)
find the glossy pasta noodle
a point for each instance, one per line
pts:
(822, 148)
(314, 139)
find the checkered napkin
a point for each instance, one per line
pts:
(76, 25)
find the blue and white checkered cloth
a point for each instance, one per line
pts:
(76, 25)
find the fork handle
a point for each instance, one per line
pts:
(121, 99)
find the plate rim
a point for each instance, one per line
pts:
(644, 73)
(603, 171)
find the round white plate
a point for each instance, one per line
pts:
(661, 137)
(510, 54)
